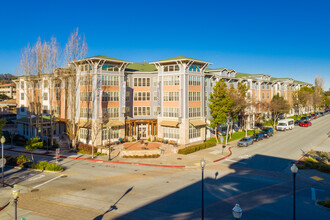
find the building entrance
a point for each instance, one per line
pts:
(143, 128)
(143, 131)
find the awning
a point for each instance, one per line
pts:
(169, 123)
(197, 122)
(85, 124)
(114, 123)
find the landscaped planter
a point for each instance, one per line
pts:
(139, 152)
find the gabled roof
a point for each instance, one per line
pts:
(215, 70)
(141, 67)
(179, 58)
(105, 57)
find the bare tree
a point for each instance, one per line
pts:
(75, 49)
(278, 106)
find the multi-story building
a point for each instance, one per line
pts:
(8, 89)
(166, 99)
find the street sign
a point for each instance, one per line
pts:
(221, 139)
(57, 150)
(4, 162)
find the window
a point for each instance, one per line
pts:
(194, 112)
(141, 96)
(110, 112)
(22, 85)
(173, 133)
(194, 81)
(86, 67)
(171, 80)
(156, 113)
(45, 96)
(110, 96)
(110, 133)
(45, 83)
(58, 96)
(44, 108)
(171, 68)
(171, 96)
(194, 96)
(85, 96)
(141, 82)
(110, 80)
(268, 95)
(155, 96)
(85, 112)
(194, 132)
(127, 96)
(263, 95)
(155, 81)
(194, 68)
(170, 112)
(140, 111)
(22, 96)
(58, 110)
(58, 84)
(22, 108)
(205, 82)
(110, 67)
(86, 81)
(85, 133)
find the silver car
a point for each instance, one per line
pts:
(244, 142)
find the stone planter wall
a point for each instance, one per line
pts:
(139, 152)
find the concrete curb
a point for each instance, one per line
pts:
(115, 162)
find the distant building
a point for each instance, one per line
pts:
(8, 90)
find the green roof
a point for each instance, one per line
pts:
(106, 57)
(181, 58)
(141, 67)
(216, 69)
(241, 75)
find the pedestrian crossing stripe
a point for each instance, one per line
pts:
(316, 178)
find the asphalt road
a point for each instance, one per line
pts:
(256, 177)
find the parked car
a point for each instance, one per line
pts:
(304, 118)
(314, 116)
(285, 124)
(267, 132)
(257, 136)
(297, 122)
(244, 142)
(305, 124)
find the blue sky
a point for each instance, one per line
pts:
(279, 38)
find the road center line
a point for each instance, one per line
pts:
(48, 181)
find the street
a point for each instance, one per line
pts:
(257, 177)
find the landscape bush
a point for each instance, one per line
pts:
(325, 203)
(85, 148)
(44, 165)
(309, 162)
(10, 160)
(198, 147)
(21, 159)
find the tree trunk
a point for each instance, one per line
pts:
(231, 128)
(227, 131)
(216, 133)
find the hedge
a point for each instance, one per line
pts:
(85, 148)
(44, 165)
(194, 148)
(144, 156)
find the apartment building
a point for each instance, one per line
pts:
(8, 89)
(166, 99)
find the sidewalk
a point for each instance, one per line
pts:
(173, 160)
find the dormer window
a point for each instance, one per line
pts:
(111, 68)
(171, 68)
(194, 68)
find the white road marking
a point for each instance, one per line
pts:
(47, 181)
(36, 177)
(235, 161)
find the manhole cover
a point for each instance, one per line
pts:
(179, 158)
(64, 176)
(83, 189)
(35, 190)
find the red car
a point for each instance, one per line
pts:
(305, 124)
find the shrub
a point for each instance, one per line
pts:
(85, 148)
(194, 148)
(10, 160)
(325, 203)
(148, 139)
(44, 165)
(21, 159)
(311, 160)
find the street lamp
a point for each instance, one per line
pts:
(3, 140)
(202, 163)
(294, 170)
(237, 212)
(15, 195)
